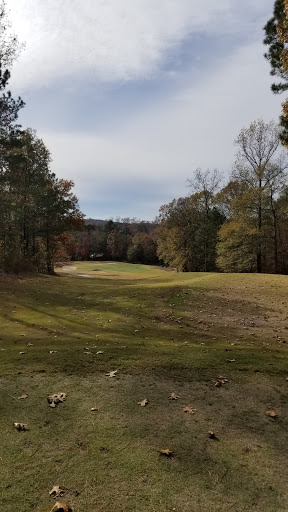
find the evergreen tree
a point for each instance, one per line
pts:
(276, 30)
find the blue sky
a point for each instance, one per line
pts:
(131, 96)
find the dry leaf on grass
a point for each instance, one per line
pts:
(271, 413)
(56, 399)
(61, 507)
(166, 453)
(56, 492)
(100, 352)
(143, 403)
(52, 351)
(219, 381)
(189, 410)
(112, 373)
(230, 360)
(23, 397)
(21, 426)
(94, 409)
(21, 353)
(173, 396)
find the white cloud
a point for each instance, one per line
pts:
(111, 40)
(121, 40)
(164, 144)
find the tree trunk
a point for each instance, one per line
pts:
(259, 253)
(49, 261)
(275, 236)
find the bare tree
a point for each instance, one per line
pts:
(205, 182)
(9, 44)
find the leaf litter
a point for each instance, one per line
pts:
(143, 403)
(56, 399)
(21, 426)
(174, 396)
(219, 381)
(189, 410)
(271, 413)
(166, 453)
(111, 374)
(61, 507)
(56, 492)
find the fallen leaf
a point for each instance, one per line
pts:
(286, 378)
(23, 397)
(61, 507)
(189, 410)
(230, 360)
(111, 374)
(167, 453)
(173, 396)
(100, 352)
(143, 403)
(56, 399)
(21, 352)
(271, 413)
(52, 351)
(30, 344)
(56, 492)
(219, 381)
(21, 426)
(223, 379)
(94, 409)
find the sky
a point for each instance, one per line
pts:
(132, 96)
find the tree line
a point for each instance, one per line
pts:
(242, 227)
(36, 207)
(239, 227)
(126, 240)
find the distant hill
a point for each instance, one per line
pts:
(118, 220)
(95, 221)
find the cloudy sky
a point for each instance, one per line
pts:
(131, 96)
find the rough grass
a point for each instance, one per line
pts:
(164, 332)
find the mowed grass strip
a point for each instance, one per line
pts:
(163, 332)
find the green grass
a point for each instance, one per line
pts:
(163, 332)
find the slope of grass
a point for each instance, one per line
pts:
(163, 332)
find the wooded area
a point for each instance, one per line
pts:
(36, 207)
(243, 226)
